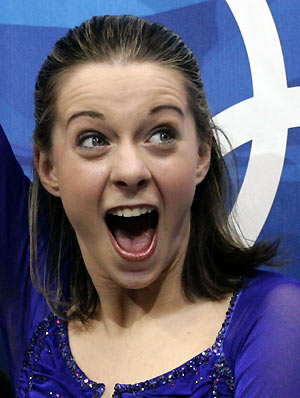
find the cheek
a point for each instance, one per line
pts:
(81, 191)
(183, 189)
(178, 187)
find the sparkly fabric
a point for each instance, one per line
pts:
(256, 353)
(49, 353)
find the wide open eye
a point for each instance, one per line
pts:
(162, 135)
(92, 140)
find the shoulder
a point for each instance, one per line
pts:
(268, 278)
(262, 344)
(268, 307)
(268, 289)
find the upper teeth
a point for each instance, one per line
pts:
(137, 211)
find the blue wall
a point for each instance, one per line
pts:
(248, 53)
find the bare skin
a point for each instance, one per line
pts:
(154, 343)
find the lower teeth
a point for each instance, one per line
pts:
(133, 234)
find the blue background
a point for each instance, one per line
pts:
(29, 29)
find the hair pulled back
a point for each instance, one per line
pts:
(215, 258)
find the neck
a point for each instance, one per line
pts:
(123, 309)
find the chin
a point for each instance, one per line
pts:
(135, 280)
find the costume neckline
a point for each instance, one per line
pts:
(169, 377)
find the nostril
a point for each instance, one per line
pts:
(121, 183)
(142, 183)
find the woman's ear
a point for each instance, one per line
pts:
(204, 154)
(46, 171)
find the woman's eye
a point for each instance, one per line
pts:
(92, 141)
(163, 135)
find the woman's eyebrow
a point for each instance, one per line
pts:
(167, 106)
(98, 115)
(92, 114)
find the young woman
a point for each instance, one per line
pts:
(151, 294)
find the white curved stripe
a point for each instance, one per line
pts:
(292, 111)
(246, 120)
(238, 124)
(262, 43)
(264, 119)
(259, 188)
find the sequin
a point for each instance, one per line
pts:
(221, 373)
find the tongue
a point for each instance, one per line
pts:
(134, 243)
(133, 234)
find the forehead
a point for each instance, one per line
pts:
(119, 88)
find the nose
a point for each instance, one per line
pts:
(130, 171)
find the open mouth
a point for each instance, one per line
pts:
(133, 231)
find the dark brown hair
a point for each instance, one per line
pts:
(215, 258)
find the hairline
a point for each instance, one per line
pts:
(56, 80)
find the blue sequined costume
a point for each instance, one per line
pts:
(256, 353)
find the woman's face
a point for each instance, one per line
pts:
(125, 161)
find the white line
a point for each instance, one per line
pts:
(262, 43)
(264, 119)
